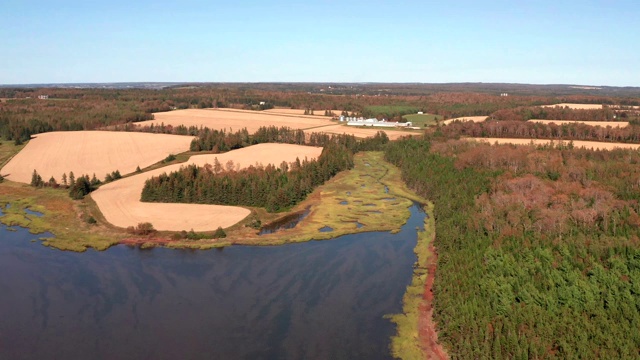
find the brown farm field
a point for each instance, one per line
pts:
(252, 120)
(300, 112)
(361, 131)
(89, 152)
(232, 119)
(595, 145)
(120, 203)
(576, 106)
(614, 124)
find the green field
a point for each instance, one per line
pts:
(423, 120)
(389, 111)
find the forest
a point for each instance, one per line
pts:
(274, 188)
(538, 247)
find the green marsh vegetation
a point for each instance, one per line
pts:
(69, 221)
(369, 197)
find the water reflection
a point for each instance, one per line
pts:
(287, 222)
(317, 300)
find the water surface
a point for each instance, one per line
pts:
(316, 300)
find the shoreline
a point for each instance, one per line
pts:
(344, 203)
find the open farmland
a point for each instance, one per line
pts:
(595, 145)
(466, 118)
(614, 124)
(89, 152)
(220, 119)
(362, 131)
(576, 106)
(422, 120)
(120, 203)
(300, 112)
(253, 120)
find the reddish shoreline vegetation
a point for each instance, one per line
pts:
(528, 251)
(428, 327)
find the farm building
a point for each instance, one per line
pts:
(377, 123)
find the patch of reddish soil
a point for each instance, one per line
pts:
(427, 327)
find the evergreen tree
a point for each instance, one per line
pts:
(36, 179)
(94, 181)
(80, 188)
(219, 233)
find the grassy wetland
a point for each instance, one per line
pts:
(369, 197)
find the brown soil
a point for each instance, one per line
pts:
(615, 124)
(119, 201)
(576, 106)
(427, 327)
(576, 143)
(234, 119)
(91, 152)
(361, 131)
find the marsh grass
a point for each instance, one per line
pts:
(64, 218)
(406, 344)
(363, 188)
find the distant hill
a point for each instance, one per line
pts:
(369, 89)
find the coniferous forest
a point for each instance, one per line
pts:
(538, 248)
(274, 188)
(268, 187)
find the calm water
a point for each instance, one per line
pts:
(317, 300)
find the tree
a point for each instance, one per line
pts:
(219, 233)
(229, 165)
(80, 188)
(94, 181)
(36, 179)
(217, 167)
(64, 179)
(72, 179)
(52, 182)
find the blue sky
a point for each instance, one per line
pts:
(542, 42)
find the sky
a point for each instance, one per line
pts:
(516, 41)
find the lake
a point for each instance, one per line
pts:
(314, 300)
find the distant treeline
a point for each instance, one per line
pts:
(564, 113)
(539, 249)
(271, 187)
(535, 130)
(91, 109)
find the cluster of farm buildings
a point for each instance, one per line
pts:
(360, 121)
